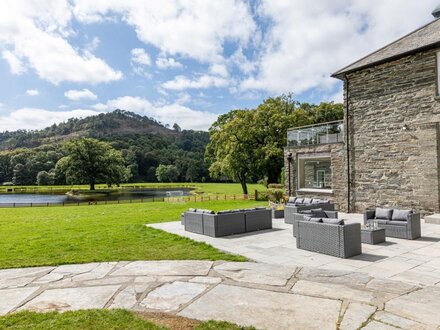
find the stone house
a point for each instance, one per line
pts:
(387, 149)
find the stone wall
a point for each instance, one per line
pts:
(388, 164)
(338, 177)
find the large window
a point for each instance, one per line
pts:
(314, 173)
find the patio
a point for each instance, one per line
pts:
(413, 261)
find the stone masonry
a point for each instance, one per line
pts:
(388, 164)
(393, 135)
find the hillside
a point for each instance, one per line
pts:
(105, 125)
(145, 144)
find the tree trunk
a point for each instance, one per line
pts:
(244, 186)
(92, 183)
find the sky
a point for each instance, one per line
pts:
(183, 61)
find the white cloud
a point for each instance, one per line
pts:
(34, 32)
(32, 118)
(32, 92)
(139, 56)
(76, 95)
(308, 41)
(197, 29)
(219, 69)
(16, 65)
(166, 113)
(201, 82)
(167, 62)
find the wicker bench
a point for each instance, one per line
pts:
(341, 241)
(293, 207)
(227, 223)
(300, 217)
(406, 226)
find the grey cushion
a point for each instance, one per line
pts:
(325, 201)
(380, 222)
(307, 217)
(315, 219)
(333, 221)
(192, 210)
(316, 201)
(292, 200)
(384, 214)
(307, 201)
(299, 200)
(260, 208)
(401, 215)
(319, 213)
(396, 223)
(306, 212)
(224, 212)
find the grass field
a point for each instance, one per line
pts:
(61, 235)
(200, 188)
(102, 320)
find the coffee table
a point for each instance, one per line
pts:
(372, 236)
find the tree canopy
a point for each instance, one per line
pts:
(92, 161)
(248, 144)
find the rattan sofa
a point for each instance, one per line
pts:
(227, 223)
(300, 217)
(295, 206)
(341, 241)
(397, 223)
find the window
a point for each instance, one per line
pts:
(438, 73)
(314, 173)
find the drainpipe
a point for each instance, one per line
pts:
(289, 161)
(347, 144)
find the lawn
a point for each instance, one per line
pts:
(79, 234)
(105, 320)
(200, 188)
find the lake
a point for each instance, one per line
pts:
(36, 198)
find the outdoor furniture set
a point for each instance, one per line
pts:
(315, 225)
(226, 223)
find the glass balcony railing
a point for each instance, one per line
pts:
(332, 132)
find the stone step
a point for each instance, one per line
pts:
(434, 218)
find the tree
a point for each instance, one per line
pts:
(92, 161)
(44, 178)
(167, 173)
(231, 148)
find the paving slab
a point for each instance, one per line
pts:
(179, 267)
(398, 321)
(256, 273)
(333, 291)
(11, 298)
(264, 309)
(171, 296)
(125, 299)
(356, 315)
(71, 299)
(206, 280)
(422, 305)
(375, 325)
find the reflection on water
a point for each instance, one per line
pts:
(61, 197)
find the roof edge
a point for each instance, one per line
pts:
(342, 71)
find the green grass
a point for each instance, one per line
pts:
(205, 188)
(94, 319)
(80, 234)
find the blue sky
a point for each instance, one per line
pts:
(184, 61)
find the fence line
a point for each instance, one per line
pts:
(182, 199)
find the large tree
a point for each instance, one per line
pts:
(92, 161)
(230, 151)
(249, 144)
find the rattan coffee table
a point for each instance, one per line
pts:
(372, 236)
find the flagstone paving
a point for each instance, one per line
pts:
(299, 297)
(412, 261)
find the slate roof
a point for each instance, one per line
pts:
(424, 38)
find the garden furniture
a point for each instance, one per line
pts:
(396, 222)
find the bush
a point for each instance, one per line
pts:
(275, 195)
(275, 186)
(261, 196)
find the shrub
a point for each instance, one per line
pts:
(275, 186)
(275, 195)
